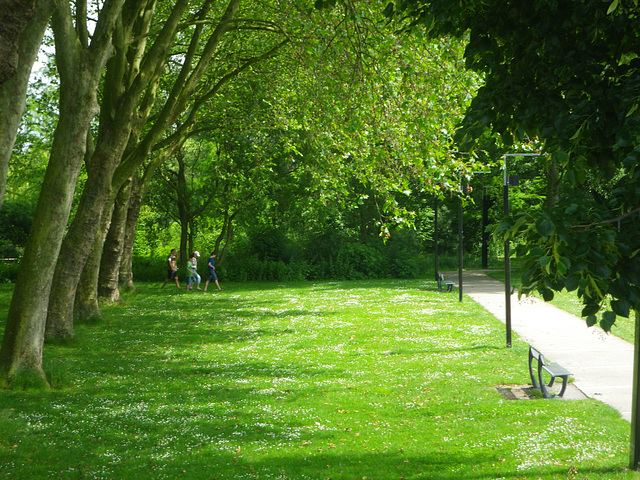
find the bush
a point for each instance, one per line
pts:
(9, 270)
(253, 269)
(16, 218)
(356, 262)
(406, 265)
(149, 269)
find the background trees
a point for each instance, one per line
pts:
(565, 74)
(309, 125)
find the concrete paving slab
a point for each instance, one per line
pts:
(601, 364)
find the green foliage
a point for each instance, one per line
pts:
(9, 271)
(565, 74)
(16, 218)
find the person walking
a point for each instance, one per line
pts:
(211, 269)
(172, 269)
(191, 278)
(194, 268)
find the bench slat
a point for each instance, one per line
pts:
(556, 369)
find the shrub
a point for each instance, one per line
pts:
(9, 270)
(149, 269)
(356, 261)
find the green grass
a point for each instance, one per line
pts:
(329, 380)
(569, 302)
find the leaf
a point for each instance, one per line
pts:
(613, 6)
(544, 228)
(608, 319)
(561, 267)
(544, 260)
(388, 11)
(621, 307)
(590, 309)
(591, 320)
(571, 209)
(547, 295)
(572, 282)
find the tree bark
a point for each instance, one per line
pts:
(86, 306)
(80, 71)
(108, 285)
(15, 15)
(126, 280)
(553, 186)
(13, 88)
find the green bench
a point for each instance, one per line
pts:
(443, 284)
(551, 369)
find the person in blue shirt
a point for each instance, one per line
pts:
(211, 268)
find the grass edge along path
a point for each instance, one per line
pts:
(570, 303)
(327, 380)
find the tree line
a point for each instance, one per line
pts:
(333, 99)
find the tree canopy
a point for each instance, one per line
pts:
(300, 110)
(566, 74)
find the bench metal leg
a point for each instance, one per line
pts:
(534, 379)
(543, 387)
(565, 380)
(546, 393)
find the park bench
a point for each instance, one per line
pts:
(442, 283)
(552, 369)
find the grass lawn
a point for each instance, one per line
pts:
(333, 380)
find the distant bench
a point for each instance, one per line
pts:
(553, 369)
(442, 284)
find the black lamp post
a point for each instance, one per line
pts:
(435, 234)
(513, 181)
(461, 239)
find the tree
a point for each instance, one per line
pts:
(566, 73)
(14, 16)
(23, 23)
(139, 89)
(80, 62)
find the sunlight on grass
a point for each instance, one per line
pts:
(332, 380)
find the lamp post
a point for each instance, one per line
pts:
(487, 202)
(461, 239)
(435, 234)
(513, 181)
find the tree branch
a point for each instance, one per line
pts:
(610, 220)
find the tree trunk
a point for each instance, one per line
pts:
(13, 89)
(86, 306)
(553, 186)
(80, 71)
(72, 274)
(76, 248)
(112, 249)
(24, 333)
(226, 235)
(126, 281)
(15, 15)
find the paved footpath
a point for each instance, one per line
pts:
(602, 364)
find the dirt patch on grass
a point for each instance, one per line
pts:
(527, 392)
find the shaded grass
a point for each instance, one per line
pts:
(341, 380)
